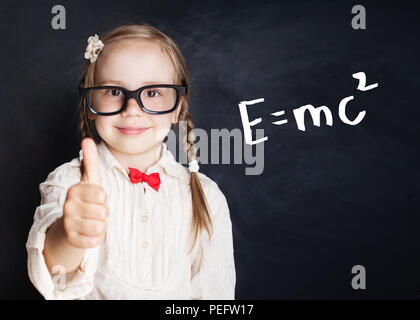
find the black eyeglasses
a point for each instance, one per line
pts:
(153, 99)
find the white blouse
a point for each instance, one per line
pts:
(144, 251)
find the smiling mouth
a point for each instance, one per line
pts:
(132, 130)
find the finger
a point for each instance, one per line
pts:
(93, 211)
(91, 173)
(81, 241)
(88, 193)
(91, 227)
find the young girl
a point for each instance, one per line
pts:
(125, 220)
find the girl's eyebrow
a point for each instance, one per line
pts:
(100, 83)
(120, 83)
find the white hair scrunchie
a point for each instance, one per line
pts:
(92, 48)
(193, 166)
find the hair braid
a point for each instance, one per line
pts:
(201, 218)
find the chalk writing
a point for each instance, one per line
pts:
(299, 113)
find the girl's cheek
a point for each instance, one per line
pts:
(161, 133)
(162, 123)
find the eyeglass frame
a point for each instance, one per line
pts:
(180, 90)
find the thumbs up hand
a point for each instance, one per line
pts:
(85, 211)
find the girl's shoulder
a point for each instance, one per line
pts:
(210, 186)
(218, 204)
(65, 175)
(207, 183)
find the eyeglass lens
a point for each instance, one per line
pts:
(112, 99)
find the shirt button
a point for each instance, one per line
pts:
(144, 244)
(144, 218)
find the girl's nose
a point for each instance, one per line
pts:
(133, 108)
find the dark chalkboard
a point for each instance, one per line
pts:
(328, 198)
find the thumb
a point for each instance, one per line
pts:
(91, 173)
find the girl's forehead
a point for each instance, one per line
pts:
(134, 46)
(135, 62)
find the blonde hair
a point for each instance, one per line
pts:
(200, 216)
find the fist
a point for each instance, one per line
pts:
(85, 211)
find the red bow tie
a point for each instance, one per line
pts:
(152, 179)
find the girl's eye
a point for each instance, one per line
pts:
(151, 93)
(114, 92)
